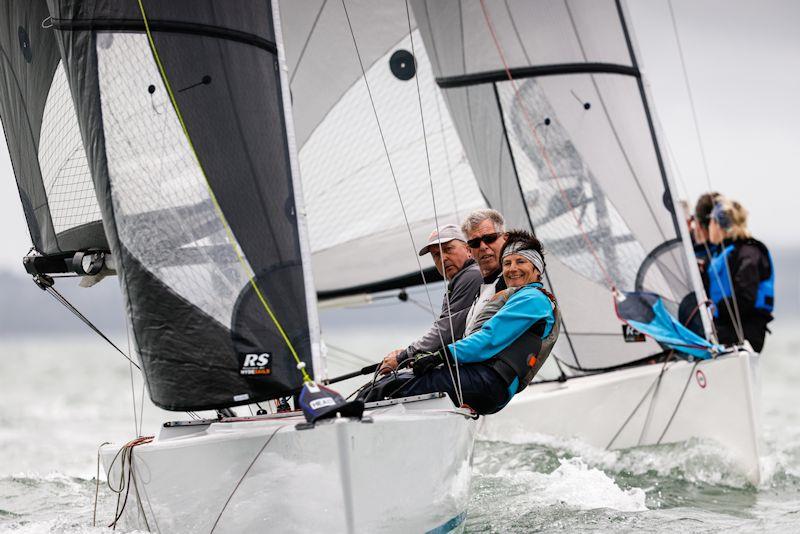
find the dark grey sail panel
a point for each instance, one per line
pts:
(199, 326)
(42, 137)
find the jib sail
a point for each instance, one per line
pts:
(197, 193)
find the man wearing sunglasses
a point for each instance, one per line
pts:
(452, 259)
(486, 235)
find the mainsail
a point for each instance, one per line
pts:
(196, 194)
(364, 154)
(550, 106)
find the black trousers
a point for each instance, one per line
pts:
(483, 389)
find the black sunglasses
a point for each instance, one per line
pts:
(475, 242)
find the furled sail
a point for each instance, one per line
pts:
(569, 149)
(42, 134)
(197, 194)
(358, 198)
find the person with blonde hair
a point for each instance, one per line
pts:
(741, 277)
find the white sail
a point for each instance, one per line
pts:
(579, 153)
(357, 221)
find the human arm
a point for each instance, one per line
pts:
(462, 294)
(522, 311)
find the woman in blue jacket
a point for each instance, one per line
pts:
(741, 278)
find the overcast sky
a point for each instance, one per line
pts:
(743, 63)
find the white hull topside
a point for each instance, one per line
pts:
(720, 403)
(402, 468)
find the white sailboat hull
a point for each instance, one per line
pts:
(403, 468)
(719, 403)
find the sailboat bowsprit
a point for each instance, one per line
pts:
(180, 129)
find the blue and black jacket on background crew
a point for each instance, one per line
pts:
(748, 265)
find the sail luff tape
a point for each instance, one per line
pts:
(217, 208)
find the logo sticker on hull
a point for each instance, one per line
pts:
(701, 378)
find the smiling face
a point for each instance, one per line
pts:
(487, 255)
(451, 258)
(518, 271)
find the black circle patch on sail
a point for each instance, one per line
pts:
(25, 44)
(403, 65)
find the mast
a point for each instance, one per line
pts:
(317, 357)
(669, 182)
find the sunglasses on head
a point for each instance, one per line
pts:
(475, 242)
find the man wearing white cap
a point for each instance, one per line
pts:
(452, 258)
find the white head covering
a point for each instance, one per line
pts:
(528, 253)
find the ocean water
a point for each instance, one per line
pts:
(60, 398)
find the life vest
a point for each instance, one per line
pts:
(720, 280)
(526, 355)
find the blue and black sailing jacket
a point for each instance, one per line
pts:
(748, 265)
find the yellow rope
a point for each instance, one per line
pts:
(220, 214)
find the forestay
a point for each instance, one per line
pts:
(180, 207)
(43, 137)
(571, 152)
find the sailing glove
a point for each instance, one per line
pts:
(425, 361)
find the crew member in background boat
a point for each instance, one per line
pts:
(485, 231)
(499, 360)
(741, 277)
(704, 250)
(454, 263)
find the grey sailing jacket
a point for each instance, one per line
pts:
(462, 289)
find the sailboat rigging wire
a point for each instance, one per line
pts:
(349, 353)
(97, 484)
(133, 390)
(678, 404)
(639, 404)
(691, 99)
(695, 123)
(457, 381)
(391, 170)
(258, 454)
(61, 299)
(218, 210)
(543, 151)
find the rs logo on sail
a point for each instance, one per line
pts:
(255, 364)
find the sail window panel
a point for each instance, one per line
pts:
(321, 57)
(529, 32)
(601, 160)
(62, 159)
(164, 214)
(349, 189)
